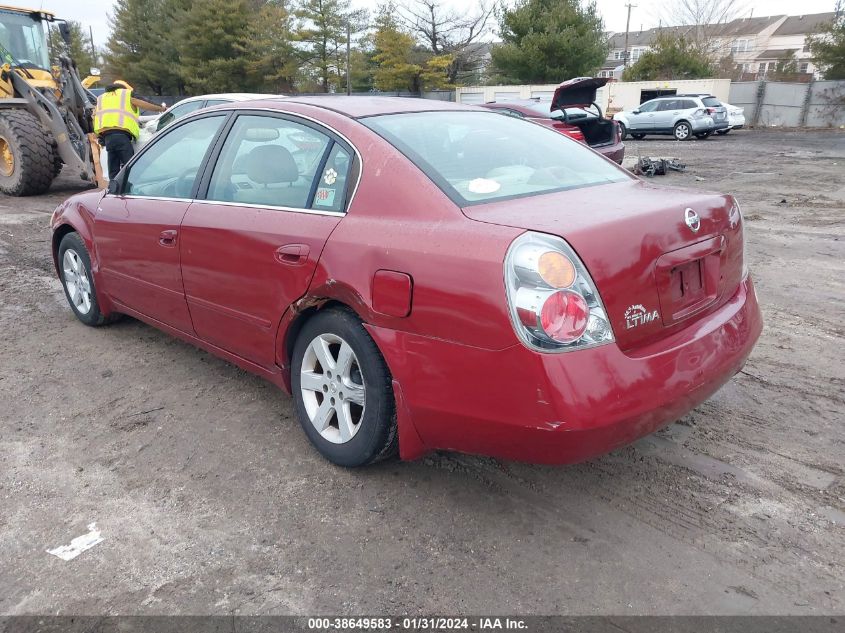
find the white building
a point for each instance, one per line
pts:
(756, 45)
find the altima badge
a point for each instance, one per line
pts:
(692, 220)
(637, 315)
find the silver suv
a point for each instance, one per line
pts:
(682, 116)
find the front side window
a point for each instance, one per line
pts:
(169, 167)
(479, 156)
(649, 106)
(273, 161)
(24, 39)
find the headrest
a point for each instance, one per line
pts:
(270, 164)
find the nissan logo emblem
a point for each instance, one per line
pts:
(692, 220)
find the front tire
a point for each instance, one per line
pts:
(77, 280)
(26, 155)
(342, 390)
(682, 131)
(623, 131)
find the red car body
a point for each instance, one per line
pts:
(574, 98)
(426, 278)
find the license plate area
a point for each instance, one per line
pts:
(689, 279)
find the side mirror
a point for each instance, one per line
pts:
(64, 31)
(636, 111)
(114, 185)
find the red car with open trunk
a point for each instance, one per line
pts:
(573, 111)
(421, 275)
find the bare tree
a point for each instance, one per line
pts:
(703, 21)
(445, 31)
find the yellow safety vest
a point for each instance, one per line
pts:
(115, 111)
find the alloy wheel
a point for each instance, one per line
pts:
(682, 131)
(76, 281)
(332, 388)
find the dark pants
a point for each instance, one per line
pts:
(119, 147)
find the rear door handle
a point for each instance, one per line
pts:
(293, 254)
(168, 238)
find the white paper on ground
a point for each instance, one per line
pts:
(79, 544)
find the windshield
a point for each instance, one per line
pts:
(483, 156)
(23, 38)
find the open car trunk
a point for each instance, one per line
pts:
(596, 130)
(576, 98)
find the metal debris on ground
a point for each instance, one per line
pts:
(648, 166)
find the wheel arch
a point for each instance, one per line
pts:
(411, 445)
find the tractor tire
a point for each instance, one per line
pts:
(58, 163)
(26, 155)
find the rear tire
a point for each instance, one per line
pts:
(623, 131)
(638, 137)
(26, 155)
(682, 131)
(328, 394)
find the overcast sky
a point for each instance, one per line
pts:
(646, 14)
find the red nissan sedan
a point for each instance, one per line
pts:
(421, 275)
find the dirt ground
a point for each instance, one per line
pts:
(211, 501)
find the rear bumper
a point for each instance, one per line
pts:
(562, 408)
(615, 152)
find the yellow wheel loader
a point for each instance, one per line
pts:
(46, 114)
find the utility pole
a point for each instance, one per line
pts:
(93, 48)
(348, 48)
(627, 29)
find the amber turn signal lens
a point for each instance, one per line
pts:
(556, 269)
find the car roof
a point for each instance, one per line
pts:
(359, 107)
(230, 96)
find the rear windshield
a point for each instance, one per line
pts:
(711, 102)
(482, 156)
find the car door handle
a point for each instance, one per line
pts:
(168, 238)
(293, 254)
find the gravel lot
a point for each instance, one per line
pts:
(211, 501)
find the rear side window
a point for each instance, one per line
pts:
(688, 104)
(275, 162)
(481, 156)
(711, 102)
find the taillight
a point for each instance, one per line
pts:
(711, 110)
(735, 217)
(574, 132)
(553, 302)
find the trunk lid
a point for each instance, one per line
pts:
(654, 273)
(577, 93)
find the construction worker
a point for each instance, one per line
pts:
(116, 123)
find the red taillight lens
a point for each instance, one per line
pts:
(564, 316)
(711, 110)
(574, 132)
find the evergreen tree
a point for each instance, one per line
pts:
(212, 36)
(271, 58)
(547, 41)
(323, 33)
(79, 51)
(671, 57)
(828, 48)
(140, 48)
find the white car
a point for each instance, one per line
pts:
(736, 118)
(151, 125)
(157, 123)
